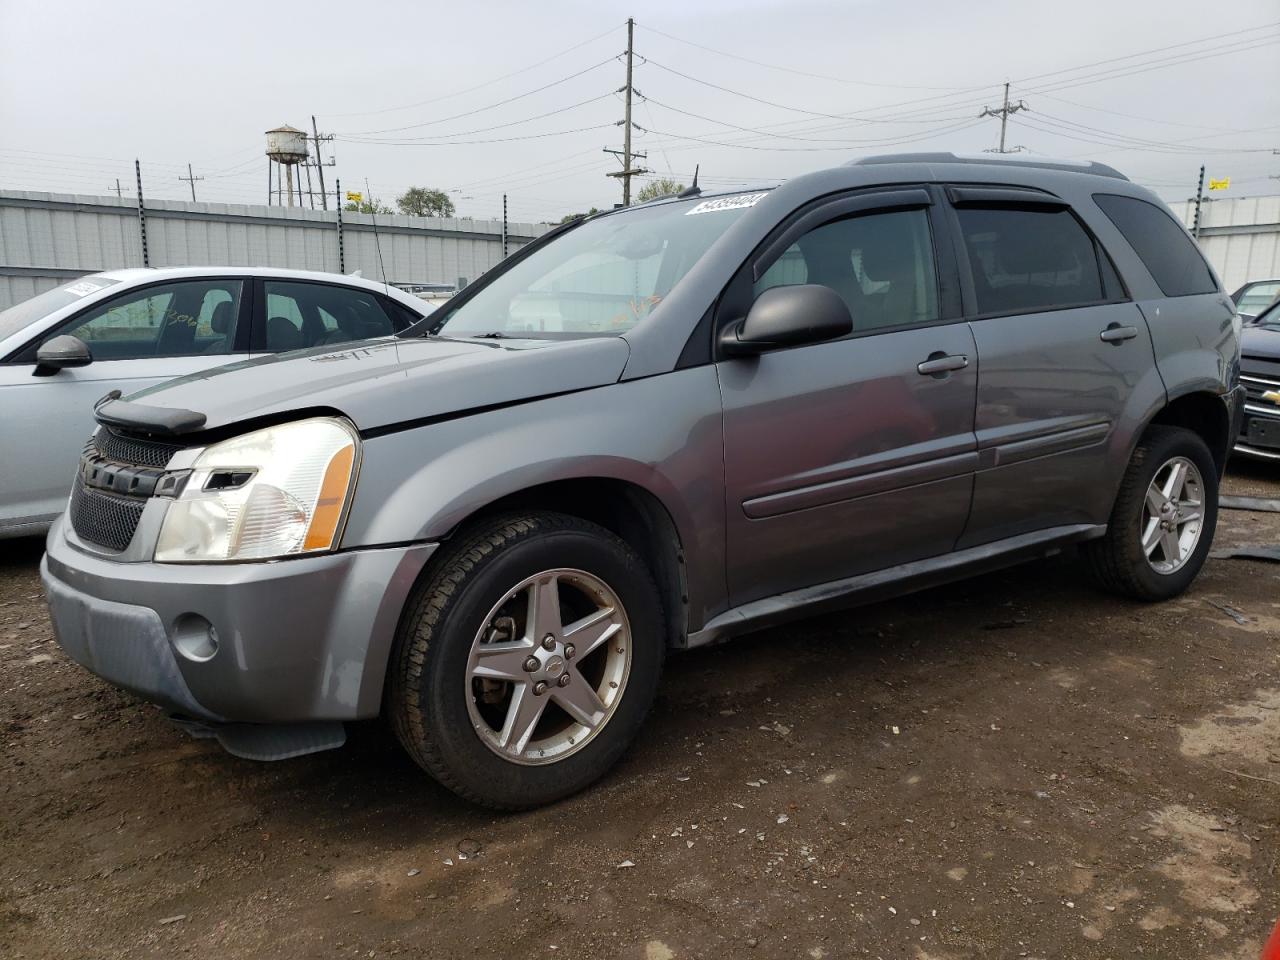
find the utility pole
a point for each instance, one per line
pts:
(1195, 223)
(119, 190)
(627, 171)
(1003, 114)
(191, 179)
(316, 138)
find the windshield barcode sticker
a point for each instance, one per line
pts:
(83, 288)
(727, 203)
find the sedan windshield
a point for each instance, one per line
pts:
(29, 311)
(598, 279)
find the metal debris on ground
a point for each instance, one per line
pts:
(1231, 612)
(1248, 551)
(1260, 504)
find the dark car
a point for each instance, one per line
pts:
(1255, 297)
(1260, 374)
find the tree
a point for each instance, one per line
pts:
(371, 205)
(574, 216)
(663, 187)
(425, 202)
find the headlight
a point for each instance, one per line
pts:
(271, 493)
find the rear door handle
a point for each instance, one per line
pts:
(939, 364)
(1117, 334)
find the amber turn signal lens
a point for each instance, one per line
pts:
(333, 494)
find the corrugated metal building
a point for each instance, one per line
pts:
(1239, 235)
(47, 239)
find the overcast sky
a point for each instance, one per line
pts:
(87, 86)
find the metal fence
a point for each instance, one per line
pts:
(1239, 235)
(47, 239)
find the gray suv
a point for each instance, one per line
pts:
(655, 429)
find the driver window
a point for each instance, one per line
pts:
(166, 320)
(881, 264)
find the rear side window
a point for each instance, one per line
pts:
(316, 314)
(1025, 261)
(1163, 246)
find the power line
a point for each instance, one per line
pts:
(491, 106)
(479, 86)
(802, 73)
(499, 126)
(459, 143)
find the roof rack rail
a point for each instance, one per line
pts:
(1046, 163)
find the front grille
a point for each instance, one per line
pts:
(109, 517)
(103, 518)
(1255, 387)
(141, 453)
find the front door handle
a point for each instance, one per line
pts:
(940, 364)
(1117, 334)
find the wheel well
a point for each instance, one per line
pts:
(1206, 415)
(632, 513)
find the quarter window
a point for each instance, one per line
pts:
(881, 264)
(165, 320)
(1024, 261)
(1168, 253)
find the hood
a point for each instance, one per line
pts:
(1260, 343)
(376, 383)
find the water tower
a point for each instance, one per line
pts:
(286, 148)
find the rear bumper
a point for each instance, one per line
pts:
(296, 640)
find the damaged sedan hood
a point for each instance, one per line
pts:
(376, 384)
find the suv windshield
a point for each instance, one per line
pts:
(600, 278)
(29, 311)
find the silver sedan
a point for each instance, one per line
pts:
(63, 350)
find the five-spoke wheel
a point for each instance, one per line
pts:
(528, 659)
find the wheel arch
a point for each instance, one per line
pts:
(627, 509)
(1205, 414)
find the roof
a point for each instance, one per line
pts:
(141, 274)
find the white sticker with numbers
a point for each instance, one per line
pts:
(727, 203)
(83, 288)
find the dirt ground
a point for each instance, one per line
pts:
(1016, 766)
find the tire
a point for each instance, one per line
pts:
(448, 719)
(1118, 561)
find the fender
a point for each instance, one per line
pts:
(662, 434)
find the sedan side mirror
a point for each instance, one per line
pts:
(59, 352)
(788, 317)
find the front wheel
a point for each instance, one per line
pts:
(528, 660)
(1163, 521)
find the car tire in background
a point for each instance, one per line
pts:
(1162, 525)
(527, 659)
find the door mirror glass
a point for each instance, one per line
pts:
(789, 317)
(59, 352)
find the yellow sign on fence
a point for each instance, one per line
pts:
(1222, 184)
(359, 197)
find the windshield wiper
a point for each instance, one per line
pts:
(492, 335)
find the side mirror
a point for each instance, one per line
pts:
(788, 317)
(59, 352)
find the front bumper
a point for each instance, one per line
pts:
(297, 640)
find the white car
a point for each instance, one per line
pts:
(65, 349)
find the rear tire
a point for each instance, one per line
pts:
(1153, 549)
(477, 690)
